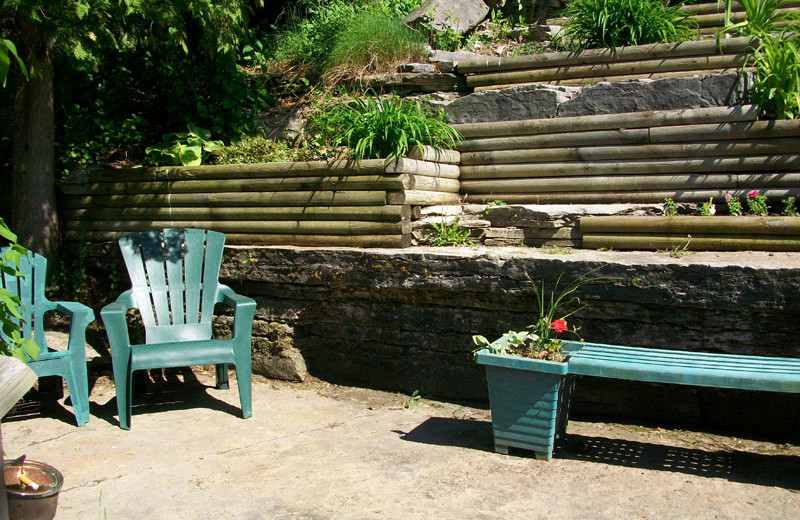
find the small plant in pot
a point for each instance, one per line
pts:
(527, 371)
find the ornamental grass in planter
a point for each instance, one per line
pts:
(526, 371)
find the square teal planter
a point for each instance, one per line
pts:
(529, 399)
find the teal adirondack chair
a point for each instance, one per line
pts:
(69, 364)
(175, 283)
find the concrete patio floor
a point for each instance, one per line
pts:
(320, 451)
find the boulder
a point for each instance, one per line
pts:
(700, 91)
(523, 102)
(459, 16)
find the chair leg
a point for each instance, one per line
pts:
(222, 377)
(123, 383)
(78, 387)
(244, 379)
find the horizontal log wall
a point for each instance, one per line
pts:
(338, 203)
(710, 17)
(623, 63)
(644, 157)
(718, 233)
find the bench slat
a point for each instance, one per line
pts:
(687, 368)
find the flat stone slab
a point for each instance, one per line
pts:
(316, 450)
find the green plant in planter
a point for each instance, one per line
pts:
(616, 23)
(734, 206)
(376, 128)
(11, 341)
(188, 148)
(790, 207)
(553, 308)
(776, 82)
(708, 209)
(757, 203)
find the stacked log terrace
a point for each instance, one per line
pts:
(688, 155)
(719, 233)
(710, 17)
(593, 66)
(339, 203)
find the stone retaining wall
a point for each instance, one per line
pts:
(403, 320)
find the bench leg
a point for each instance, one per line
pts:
(502, 450)
(565, 401)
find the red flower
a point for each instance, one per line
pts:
(753, 194)
(559, 326)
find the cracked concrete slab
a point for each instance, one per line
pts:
(319, 451)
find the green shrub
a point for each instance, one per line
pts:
(376, 128)
(617, 23)
(776, 82)
(449, 234)
(373, 42)
(256, 149)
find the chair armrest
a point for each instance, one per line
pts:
(80, 315)
(113, 316)
(244, 310)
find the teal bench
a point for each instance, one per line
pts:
(530, 399)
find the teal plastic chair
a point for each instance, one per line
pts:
(70, 364)
(175, 284)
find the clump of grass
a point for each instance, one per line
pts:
(373, 42)
(374, 127)
(616, 23)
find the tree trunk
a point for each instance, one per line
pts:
(35, 216)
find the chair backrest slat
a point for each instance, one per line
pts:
(30, 288)
(175, 276)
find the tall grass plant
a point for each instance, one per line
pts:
(374, 127)
(617, 23)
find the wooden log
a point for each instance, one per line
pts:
(598, 137)
(425, 183)
(695, 243)
(368, 213)
(602, 183)
(586, 82)
(429, 153)
(717, 20)
(610, 121)
(360, 182)
(303, 227)
(748, 130)
(232, 171)
(416, 167)
(389, 241)
(754, 163)
(422, 198)
(717, 225)
(632, 53)
(611, 197)
(694, 63)
(778, 146)
(724, 180)
(280, 198)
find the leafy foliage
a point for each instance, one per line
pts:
(617, 23)
(190, 148)
(11, 341)
(761, 17)
(374, 127)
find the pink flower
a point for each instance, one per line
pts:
(541, 355)
(753, 194)
(559, 326)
